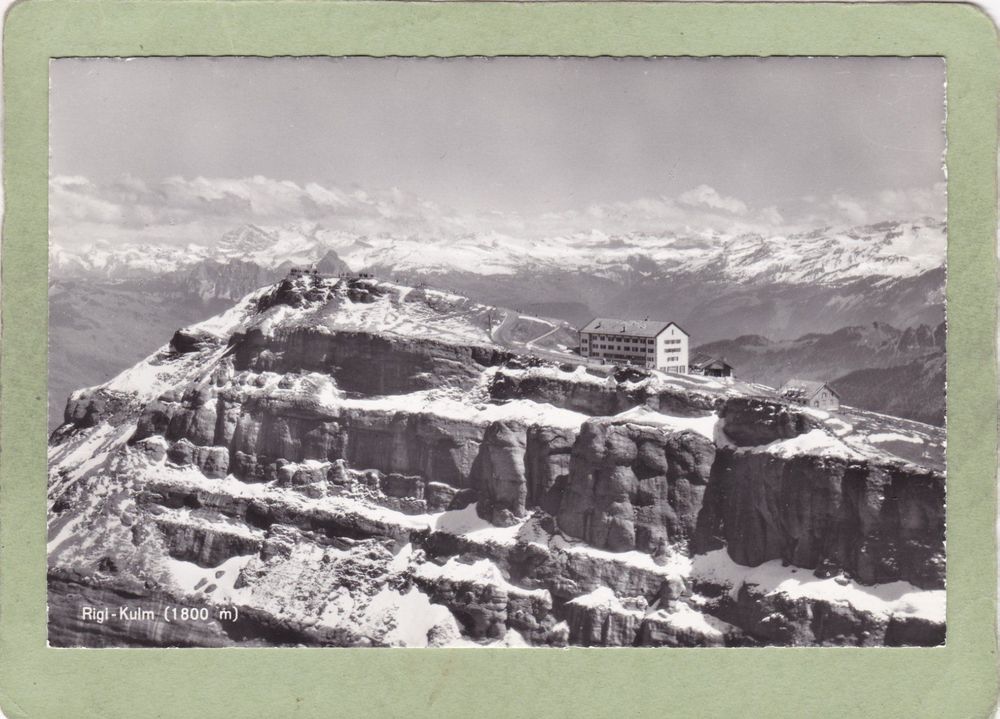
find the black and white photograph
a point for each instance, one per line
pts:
(550, 352)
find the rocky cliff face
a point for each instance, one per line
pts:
(364, 363)
(635, 487)
(874, 521)
(338, 485)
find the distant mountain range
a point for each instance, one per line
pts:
(821, 256)
(915, 390)
(716, 285)
(876, 367)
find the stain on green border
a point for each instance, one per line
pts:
(956, 681)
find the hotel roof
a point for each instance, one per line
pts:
(631, 328)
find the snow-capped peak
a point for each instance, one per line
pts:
(826, 255)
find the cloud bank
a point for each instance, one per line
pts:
(200, 210)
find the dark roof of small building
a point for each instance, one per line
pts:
(804, 389)
(632, 328)
(702, 360)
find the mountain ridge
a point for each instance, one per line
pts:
(354, 462)
(860, 362)
(678, 278)
(825, 255)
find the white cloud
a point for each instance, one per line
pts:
(708, 197)
(888, 205)
(201, 210)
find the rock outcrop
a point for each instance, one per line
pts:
(365, 363)
(635, 487)
(329, 480)
(878, 522)
(600, 394)
(186, 340)
(754, 420)
(91, 407)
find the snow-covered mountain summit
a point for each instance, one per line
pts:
(826, 255)
(320, 304)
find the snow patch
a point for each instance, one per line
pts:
(673, 564)
(602, 597)
(688, 619)
(412, 616)
(188, 575)
(468, 524)
(448, 407)
(814, 442)
(894, 437)
(895, 598)
(704, 426)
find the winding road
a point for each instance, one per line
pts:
(501, 335)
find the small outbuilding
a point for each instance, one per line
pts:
(709, 366)
(811, 393)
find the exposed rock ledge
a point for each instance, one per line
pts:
(328, 480)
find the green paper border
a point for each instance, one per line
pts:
(958, 680)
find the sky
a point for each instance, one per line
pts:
(174, 148)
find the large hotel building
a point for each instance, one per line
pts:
(646, 343)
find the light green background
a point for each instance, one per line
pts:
(956, 681)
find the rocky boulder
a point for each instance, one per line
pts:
(751, 421)
(88, 408)
(187, 340)
(212, 461)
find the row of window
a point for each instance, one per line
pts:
(648, 350)
(619, 347)
(613, 338)
(629, 340)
